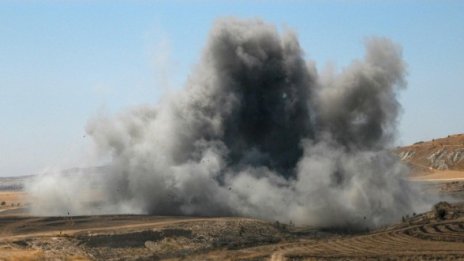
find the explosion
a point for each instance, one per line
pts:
(255, 132)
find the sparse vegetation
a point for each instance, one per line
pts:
(238, 238)
(425, 157)
(442, 210)
(280, 226)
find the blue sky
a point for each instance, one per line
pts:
(63, 62)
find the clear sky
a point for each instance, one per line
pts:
(63, 62)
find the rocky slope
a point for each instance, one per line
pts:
(438, 154)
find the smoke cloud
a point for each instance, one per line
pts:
(256, 131)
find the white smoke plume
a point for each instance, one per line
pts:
(255, 132)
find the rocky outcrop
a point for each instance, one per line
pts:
(440, 154)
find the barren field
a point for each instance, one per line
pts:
(438, 234)
(440, 175)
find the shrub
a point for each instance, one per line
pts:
(441, 210)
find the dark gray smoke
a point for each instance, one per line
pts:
(256, 132)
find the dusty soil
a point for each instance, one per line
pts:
(128, 237)
(12, 200)
(438, 234)
(440, 175)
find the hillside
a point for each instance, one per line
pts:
(444, 154)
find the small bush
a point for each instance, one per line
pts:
(441, 210)
(441, 213)
(280, 226)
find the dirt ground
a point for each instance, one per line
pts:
(437, 234)
(11, 200)
(440, 175)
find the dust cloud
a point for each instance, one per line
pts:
(258, 132)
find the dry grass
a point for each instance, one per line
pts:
(422, 237)
(440, 175)
(11, 254)
(11, 199)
